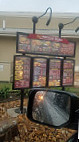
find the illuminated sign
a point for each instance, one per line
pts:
(21, 72)
(68, 72)
(42, 72)
(45, 45)
(39, 72)
(54, 72)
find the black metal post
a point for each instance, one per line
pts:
(59, 33)
(22, 100)
(60, 29)
(34, 27)
(35, 20)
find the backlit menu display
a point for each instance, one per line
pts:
(21, 72)
(68, 72)
(39, 72)
(44, 44)
(24, 43)
(54, 72)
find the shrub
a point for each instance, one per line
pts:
(4, 92)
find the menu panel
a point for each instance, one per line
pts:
(54, 72)
(68, 49)
(68, 72)
(44, 44)
(22, 72)
(24, 44)
(39, 72)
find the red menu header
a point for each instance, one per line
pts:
(46, 37)
(44, 45)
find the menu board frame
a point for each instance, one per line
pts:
(14, 72)
(45, 38)
(73, 72)
(33, 71)
(60, 72)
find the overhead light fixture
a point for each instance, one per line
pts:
(35, 19)
(77, 29)
(61, 26)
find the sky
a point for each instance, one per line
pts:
(69, 6)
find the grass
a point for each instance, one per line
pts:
(6, 85)
(68, 89)
(73, 90)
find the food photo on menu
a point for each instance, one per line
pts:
(43, 44)
(39, 72)
(54, 72)
(22, 72)
(24, 43)
(68, 72)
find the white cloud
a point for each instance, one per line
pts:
(39, 5)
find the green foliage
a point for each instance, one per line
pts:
(26, 92)
(4, 92)
(72, 89)
(5, 85)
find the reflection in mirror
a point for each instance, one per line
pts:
(51, 107)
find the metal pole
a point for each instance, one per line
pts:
(60, 29)
(35, 20)
(59, 33)
(34, 27)
(22, 100)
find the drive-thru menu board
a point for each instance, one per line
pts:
(42, 72)
(45, 45)
(54, 72)
(68, 72)
(39, 72)
(21, 72)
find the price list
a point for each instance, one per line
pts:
(44, 44)
(39, 72)
(68, 72)
(22, 72)
(23, 43)
(54, 72)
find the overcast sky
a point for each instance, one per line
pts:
(39, 5)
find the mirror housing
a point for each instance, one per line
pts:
(71, 111)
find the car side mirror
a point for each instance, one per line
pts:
(53, 108)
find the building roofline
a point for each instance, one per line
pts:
(30, 14)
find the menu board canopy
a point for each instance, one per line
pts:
(68, 72)
(21, 73)
(54, 78)
(44, 44)
(39, 72)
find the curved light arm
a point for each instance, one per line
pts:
(35, 19)
(61, 25)
(77, 29)
(49, 17)
(71, 21)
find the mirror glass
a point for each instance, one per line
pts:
(52, 108)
